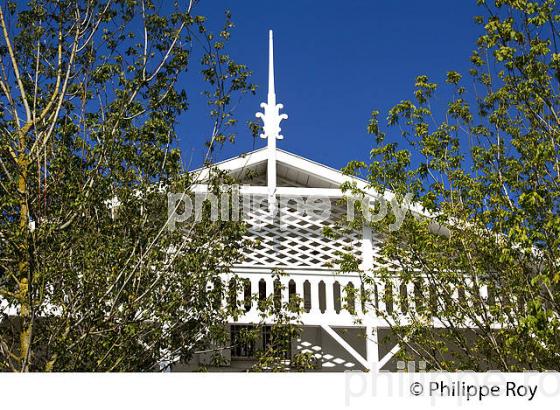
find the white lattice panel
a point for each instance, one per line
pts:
(379, 261)
(296, 238)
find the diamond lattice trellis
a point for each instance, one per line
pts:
(295, 239)
(379, 261)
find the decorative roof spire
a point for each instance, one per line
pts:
(271, 117)
(271, 91)
(271, 126)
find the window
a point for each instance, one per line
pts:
(247, 339)
(283, 346)
(242, 341)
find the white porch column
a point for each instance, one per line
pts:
(372, 348)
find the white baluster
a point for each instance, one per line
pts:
(468, 292)
(358, 297)
(254, 291)
(381, 297)
(484, 293)
(285, 292)
(345, 295)
(285, 289)
(454, 295)
(425, 294)
(225, 290)
(410, 296)
(329, 296)
(300, 294)
(241, 292)
(269, 285)
(396, 291)
(314, 297)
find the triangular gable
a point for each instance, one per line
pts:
(290, 167)
(296, 171)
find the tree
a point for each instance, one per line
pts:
(285, 327)
(487, 174)
(90, 277)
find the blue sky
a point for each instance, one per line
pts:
(335, 62)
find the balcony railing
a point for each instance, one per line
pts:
(343, 300)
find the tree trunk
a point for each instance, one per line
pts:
(24, 271)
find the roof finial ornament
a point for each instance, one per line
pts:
(271, 127)
(271, 117)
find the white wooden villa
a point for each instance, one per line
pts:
(295, 244)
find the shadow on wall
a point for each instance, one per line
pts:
(330, 355)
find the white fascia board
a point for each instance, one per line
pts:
(243, 189)
(328, 173)
(337, 177)
(234, 164)
(302, 164)
(280, 191)
(309, 167)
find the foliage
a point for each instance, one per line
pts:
(279, 324)
(487, 177)
(285, 327)
(90, 278)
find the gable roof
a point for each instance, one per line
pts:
(301, 172)
(290, 166)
